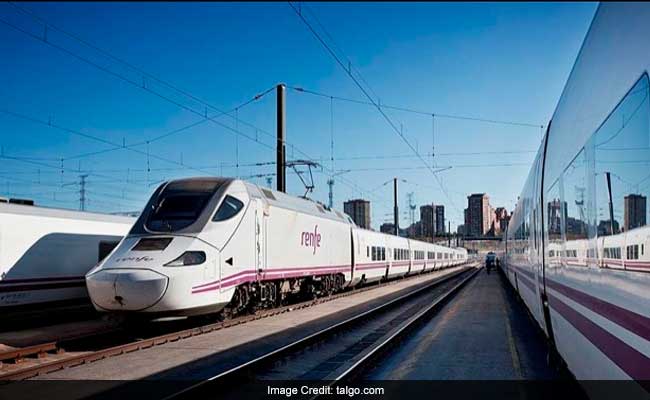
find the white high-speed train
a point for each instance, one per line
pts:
(202, 244)
(46, 252)
(577, 244)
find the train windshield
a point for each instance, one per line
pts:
(180, 204)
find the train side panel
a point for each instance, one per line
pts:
(374, 260)
(44, 254)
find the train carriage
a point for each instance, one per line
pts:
(419, 256)
(205, 244)
(576, 246)
(401, 252)
(45, 253)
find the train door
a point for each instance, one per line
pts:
(353, 246)
(261, 216)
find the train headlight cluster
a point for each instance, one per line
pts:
(188, 258)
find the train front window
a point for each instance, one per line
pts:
(179, 205)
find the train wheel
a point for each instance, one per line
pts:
(241, 300)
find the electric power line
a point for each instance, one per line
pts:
(419, 112)
(372, 100)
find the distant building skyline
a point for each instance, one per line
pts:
(359, 211)
(634, 211)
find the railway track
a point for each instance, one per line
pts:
(41, 359)
(337, 353)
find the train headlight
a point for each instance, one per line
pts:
(188, 258)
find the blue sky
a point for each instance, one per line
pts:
(504, 61)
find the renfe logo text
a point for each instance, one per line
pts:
(311, 239)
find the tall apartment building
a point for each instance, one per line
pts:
(635, 206)
(428, 220)
(479, 215)
(359, 211)
(440, 220)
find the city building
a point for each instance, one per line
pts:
(479, 215)
(461, 230)
(605, 227)
(428, 220)
(440, 220)
(501, 220)
(387, 227)
(635, 206)
(359, 211)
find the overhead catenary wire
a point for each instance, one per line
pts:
(119, 60)
(136, 84)
(174, 131)
(370, 98)
(419, 112)
(56, 126)
(149, 89)
(146, 88)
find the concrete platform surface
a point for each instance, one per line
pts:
(484, 333)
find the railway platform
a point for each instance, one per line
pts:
(484, 334)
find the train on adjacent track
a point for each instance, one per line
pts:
(202, 245)
(577, 244)
(46, 252)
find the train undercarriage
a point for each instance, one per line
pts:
(253, 296)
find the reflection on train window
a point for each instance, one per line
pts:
(575, 198)
(621, 148)
(556, 212)
(228, 209)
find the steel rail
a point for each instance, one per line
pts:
(360, 364)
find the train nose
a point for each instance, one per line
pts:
(126, 289)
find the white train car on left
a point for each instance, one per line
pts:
(45, 252)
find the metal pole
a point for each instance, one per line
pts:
(395, 209)
(449, 233)
(82, 192)
(611, 205)
(281, 176)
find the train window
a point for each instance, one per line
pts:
(179, 205)
(633, 252)
(621, 153)
(374, 253)
(368, 251)
(229, 207)
(612, 252)
(556, 210)
(383, 253)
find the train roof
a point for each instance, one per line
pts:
(303, 205)
(19, 209)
